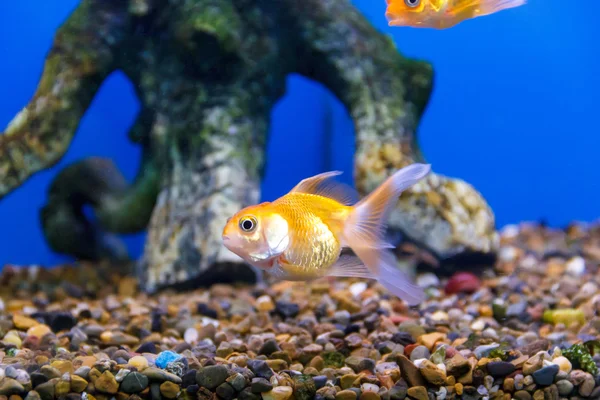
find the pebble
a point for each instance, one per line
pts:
(212, 376)
(419, 352)
(166, 357)
(346, 395)
(134, 383)
(500, 368)
(278, 393)
(504, 338)
(545, 376)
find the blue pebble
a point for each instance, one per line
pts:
(166, 357)
(545, 376)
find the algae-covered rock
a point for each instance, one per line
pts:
(207, 74)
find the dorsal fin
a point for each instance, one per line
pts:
(321, 185)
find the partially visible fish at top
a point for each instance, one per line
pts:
(442, 14)
(301, 235)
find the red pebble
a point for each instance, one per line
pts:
(409, 348)
(398, 319)
(462, 282)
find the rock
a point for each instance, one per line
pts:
(462, 282)
(413, 329)
(457, 365)
(169, 390)
(432, 373)
(107, 383)
(265, 304)
(370, 396)
(419, 352)
(118, 339)
(533, 364)
(545, 376)
(563, 364)
(46, 390)
(9, 386)
(78, 384)
(278, 393)
(139, 362)
(212, 376)
(587, 386)
(564, 387)
(500, 368)
(286, 309)
(237, 382)
(134, 382)
(484, 351)
(148, 347)
(430, 339)
(410, 372)
(39, 330)
(398, 392)
(522, 395)
(535, 347)
(260, 368)
(24, 323)
(33, 395)
(260, 385)
(403, 338)
(270, 346)
(159, 375)
(225, 391)
(345, 395)
(304, 387)
(165, 358)
(418, 393)
(359, 364)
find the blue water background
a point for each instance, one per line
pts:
(514, 112)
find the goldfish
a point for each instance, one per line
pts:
(300, 236)
(442, 14)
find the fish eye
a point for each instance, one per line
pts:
(412, 3)
(248, 224)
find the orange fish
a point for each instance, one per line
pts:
(442, 14)
(300, 235)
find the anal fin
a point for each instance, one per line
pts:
(349, 266)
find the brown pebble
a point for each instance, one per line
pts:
(418, 392)
(169, 389)
(345, 395)
(106, 383)
(24, 323)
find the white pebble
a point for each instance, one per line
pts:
(588, 289)
(427, 280)
(442, 393)
(529, 262)
(369, 387)
(206, 320)
(507, 253)
(509, 231)
(439, 316)
(419, 361)
(441, 367)
(357, 288)
(576, 266)
(191, 335)
(478, 325)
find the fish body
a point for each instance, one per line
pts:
(301, 235)
(442, 14)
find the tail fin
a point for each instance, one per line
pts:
(365, 229)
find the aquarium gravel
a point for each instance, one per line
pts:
(526, 328)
